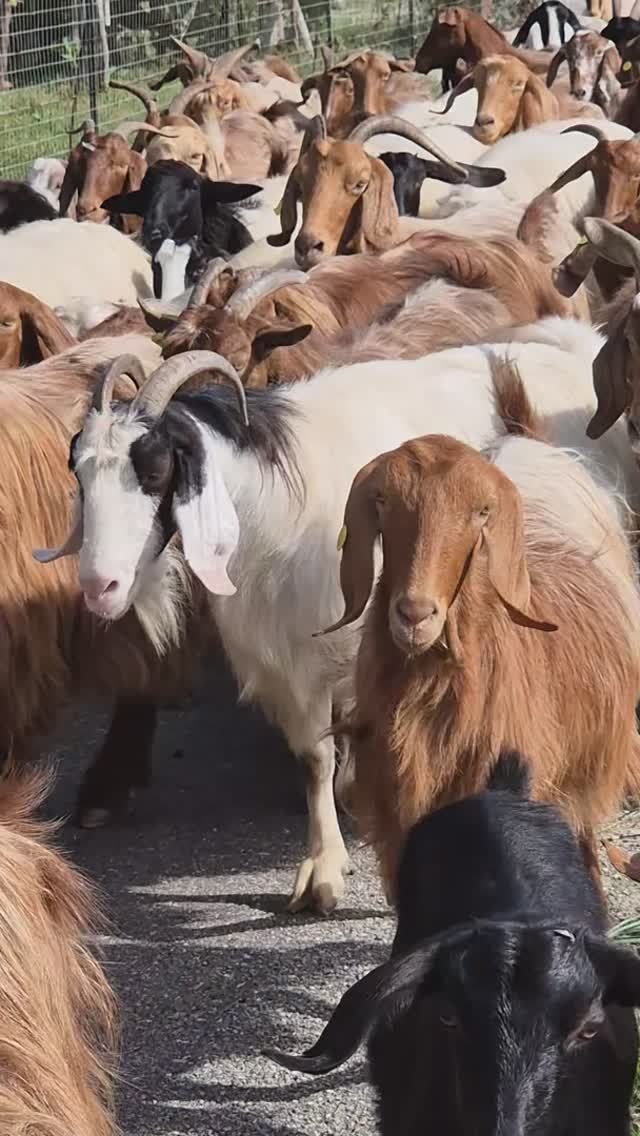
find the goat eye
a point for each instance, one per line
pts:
(448, 1020)
(359, 187)
(484, 511)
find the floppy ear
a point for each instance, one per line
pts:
(70, 183)
(132, 202)
(266, 341)
(379, 212)
(618, 970)
(361, 1008)
(71, 545)
(226, 192)
(208, 525)
(288, 213)
(610, 382)
(536, 105)
(554, 66)
(43, 334)
(503, 541)
(135, 173)
(358, 539)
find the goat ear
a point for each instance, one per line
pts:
(610, 382)
(226, 192)
(379, 216)
(209, 528)
(503, 540)
(70, 183)
(357, 539)
(135, 173)
(42, 332)
(132, 202)
(71, 545)
(535, 105)
(288, 213)
(361, 1008)
(267, 340)
(559, 57)
(618, 970)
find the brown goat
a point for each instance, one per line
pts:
(360, 85)
(29, 330)
(593, 63)
(57, 1013)
(458, 33)
(360, 308)
(459, 658)
(174, 136)
(99, 166)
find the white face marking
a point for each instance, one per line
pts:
(555, 39)
(119, 539)
(172, 260)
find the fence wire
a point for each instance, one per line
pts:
(56, 56)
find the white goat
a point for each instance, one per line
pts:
(58, 261)
(265, 502)
(46, 175)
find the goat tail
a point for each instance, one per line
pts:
(511, 774)
(512, 402)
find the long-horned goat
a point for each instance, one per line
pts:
(261, 504)
(173, 137)
(58, 1031)
(524, 604)
(503, 1007)
(359, 85)
(347, 196)
(460, 34)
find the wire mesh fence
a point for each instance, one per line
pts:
(56, 56)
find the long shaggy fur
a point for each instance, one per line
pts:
(427, 731)
(57, 1013)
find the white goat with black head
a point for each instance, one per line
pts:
(260, 503)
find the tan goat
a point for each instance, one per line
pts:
(364, 83)
(506, 614)
(29, 330)
(175, 136)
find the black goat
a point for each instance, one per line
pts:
(549, 25)
(409, 172)
(20, 204)
(504, 1010)
(194, 214)
(621, 30)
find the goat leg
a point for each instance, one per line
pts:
(122, 764)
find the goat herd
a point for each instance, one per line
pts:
(281, 334)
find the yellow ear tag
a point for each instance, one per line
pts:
(583, 241)
(158, 339)
(277, 209)
(626, 66)
(342, 538)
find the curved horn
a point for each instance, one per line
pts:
(392, 124)
(225, 63)
(86, 127)
(465, 84)
(559, 57)
(124, 129)
(588, 128)
(245, 299)
(123, 365)
(200, 62)
(160, 387)
(145, 96)
(583, 165)
(181, 101)
(214, 269)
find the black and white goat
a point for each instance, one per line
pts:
(20, 204)
(261, 505)
(551, 24)
(504, 1008)
(188, 220)
(410, 171)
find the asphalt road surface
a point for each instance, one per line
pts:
(208, 966)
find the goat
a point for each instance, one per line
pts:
(458, 33)
(56, 261)
(510, 97)
(395, 305)
(360, 85)
(235, 493)
(186, 220)
(46, 175)
(621, 30)
(551, 24)
(410, 172)
(529, 542)
(53, 649)
(58, 1031)
(173, 137)
(98, 166)
(503, 1006)
(593, 63)
(347, 198)
(29, 330)
(20, 204)
(617, 364)
(196, 64)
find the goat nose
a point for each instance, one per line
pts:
(95, 587)
(415, 611)
(485, 120)
(308, 247)
(580, 93)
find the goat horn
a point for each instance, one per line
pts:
(168, 309)
(392, 124)
(614, 243)
(583, 165)
(214, 269)
(198, 60)
(224, 63)
(86, 127)
(181, 101)
(587, 128)
(146, 98)
(131, 126)
(160, 387)
(245, 299)
(123, 365)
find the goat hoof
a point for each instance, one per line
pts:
(319, 884)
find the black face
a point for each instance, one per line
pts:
(173, 207)
(168, 461)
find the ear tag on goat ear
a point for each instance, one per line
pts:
(277, 209)
(158, 339)
(565, 934)
(583, 241)
(626, 66)
(342, 538)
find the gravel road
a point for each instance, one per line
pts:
(208, 966)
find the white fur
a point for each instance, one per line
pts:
(45, 175)
(286, 565)
(60, 261)
(172, 260)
